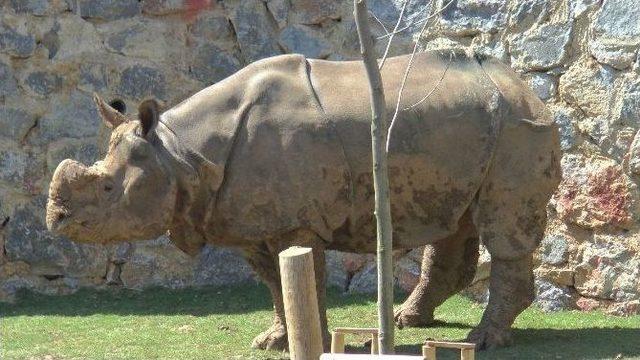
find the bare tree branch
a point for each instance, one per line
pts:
(386, 51)
(380, 180)
(433, 89)
(388, 34)
(384, 27)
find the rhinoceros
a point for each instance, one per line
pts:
(279, 154)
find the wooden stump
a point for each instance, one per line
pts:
(301, 303)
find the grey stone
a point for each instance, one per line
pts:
(157, 263)
(554, 249)
(211, 27)
(84, 151)
(627, 113)
(158, 41)
(139, 81)
(544, 85)
(221, 267)
(76, 38)
(541, 48)
(580, 7)
(163, 7)
(73, 116)
(550, 297)
(313, 11)
(33, 7)
(93, 77)
(43, 82)
(527, 13)
(280, 11)
(8, 83)
(469, 17)
(337, 276)
(15, 42)
(616, 33)
(28, 240)
(255, 31)
(211, 64)
(15, 165)
(305, 40)
(106, 10)
(565, 118)
(588, 86)
(15, 123)
(365, 281)
(389, 10)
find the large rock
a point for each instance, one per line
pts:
(565, 118)
(15, 38)
(616, 33)
(145, 38)
(609, 270)
(525, 14)
(305, 40)
(43, 82)
(313, 11)
(29, 241)
(85, 151)
(255, 30)
(76, 38)
(544, 85)
(550, 297)
(221, 267)
(337, 276)
(22, 170)
(589, 86)
(15, 123)
(469, 17)
(554, 249)
(93, 77)
(211, 64)
(365, 281)
(209, 27)
(72, 116)
(541, 48)
(8, 85)
(594, 193)
(32, 7)
(106, 10)
(140, 81)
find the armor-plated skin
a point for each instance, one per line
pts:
(279, 154)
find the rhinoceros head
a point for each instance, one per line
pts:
(128, 195)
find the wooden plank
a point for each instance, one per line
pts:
(301, 303)
(349, 330)
(337, 342)
(450, 344)
(368, 357)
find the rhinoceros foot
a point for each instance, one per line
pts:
(490, 337)
(275, 338)
(412, 316)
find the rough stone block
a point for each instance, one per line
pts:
(255, 31)
(211, 64)
(140, 81)
(15, 123)
(541, 48)
(43, 82)
(221, 267)
(305, 40)
(469, 17)
(72, 116)
(616, 33)
(106, 10)
(16, 41)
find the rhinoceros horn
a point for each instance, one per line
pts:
(111, 116)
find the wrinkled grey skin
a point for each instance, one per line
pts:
(279, 154)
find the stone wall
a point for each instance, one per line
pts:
(579, 56)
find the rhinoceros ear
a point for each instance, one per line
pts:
(111, 117)
(149, 114)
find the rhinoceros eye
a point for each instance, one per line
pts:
(107, 188)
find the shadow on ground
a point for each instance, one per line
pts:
(586, 343)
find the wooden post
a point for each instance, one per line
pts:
(429, 352)
(337, 342)
(301, 303)
(380, 178)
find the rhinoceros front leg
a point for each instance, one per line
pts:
(448, 266)
(265, 264)
(264, 261)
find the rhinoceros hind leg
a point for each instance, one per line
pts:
(448, 266)
(511, 291)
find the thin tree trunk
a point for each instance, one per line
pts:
(380, 179)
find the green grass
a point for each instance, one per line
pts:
(219, 323)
